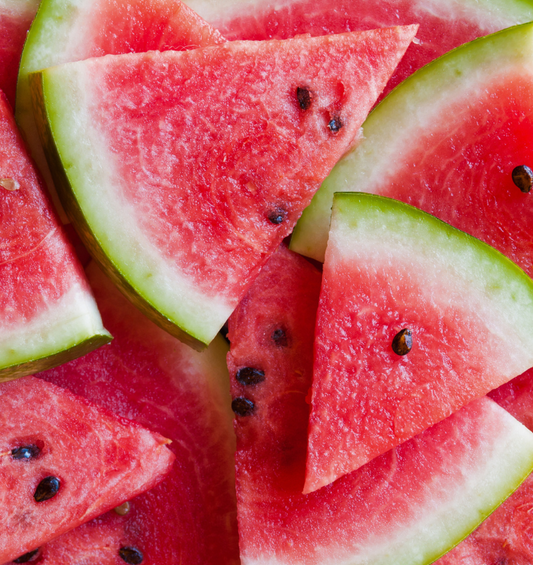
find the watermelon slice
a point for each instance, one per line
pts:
(185, 170)
(73, 30)
(65, 461)
(443, 25)
(447, 141)
(47, 312)
(415, 320)
(15, 19)
(146, 375)
(406, 507)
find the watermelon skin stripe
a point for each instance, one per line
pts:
(190, 250)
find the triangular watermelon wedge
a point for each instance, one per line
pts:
(416, 319)
(65, 461)
(47, 312)
(185, 170)
(405, 507)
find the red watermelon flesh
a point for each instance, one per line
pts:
(15, 20)
(204, 175)
(442, 27)
(47, 312)
(379, 514)
(99, 459)
(74, 30)
(148, 376)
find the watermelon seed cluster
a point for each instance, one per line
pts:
(523, 178)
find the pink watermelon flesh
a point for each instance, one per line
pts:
(100, 459)
(241, 158)
(148, 376)
(505, 536)
(272, 331)
(39, 271)
(14, 25)
(440, 29)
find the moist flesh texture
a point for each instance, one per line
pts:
(150, 377)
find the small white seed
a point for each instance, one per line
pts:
(9, 184)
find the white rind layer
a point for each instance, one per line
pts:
(453, 503)
(423, 100)
(64, 324)
(91, 171)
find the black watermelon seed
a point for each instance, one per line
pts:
(402, 342)
(25, 452)
(277, 215)
(250, 376)
(242, 406)
(47, 489)
(279, 337)
(335, 124)
(131, 555)
(26, 557)
(305, 97)
(523, 178)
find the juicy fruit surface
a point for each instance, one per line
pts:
(473, 118)
(442, 27)
(125, 460)
(390, 267)
(405, 507)
(73, 30)
(203, 177)
(148, 376)
(15, 20)
(46, 306)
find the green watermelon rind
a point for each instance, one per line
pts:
(47, 360)
(65, 179)
(392, 124)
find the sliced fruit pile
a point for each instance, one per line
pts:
(356, 395)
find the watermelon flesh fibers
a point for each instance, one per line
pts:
(148, 376)
(74, 30)
(182, 183)
(443, 26)
(47, 311)
(447, 141)
(100, 460)
(391, 268)
(405, 507)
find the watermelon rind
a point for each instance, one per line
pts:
(388, 264)
(393, 125)
(65, 177)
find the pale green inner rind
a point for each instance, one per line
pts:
(411, 108)
(84, 175)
